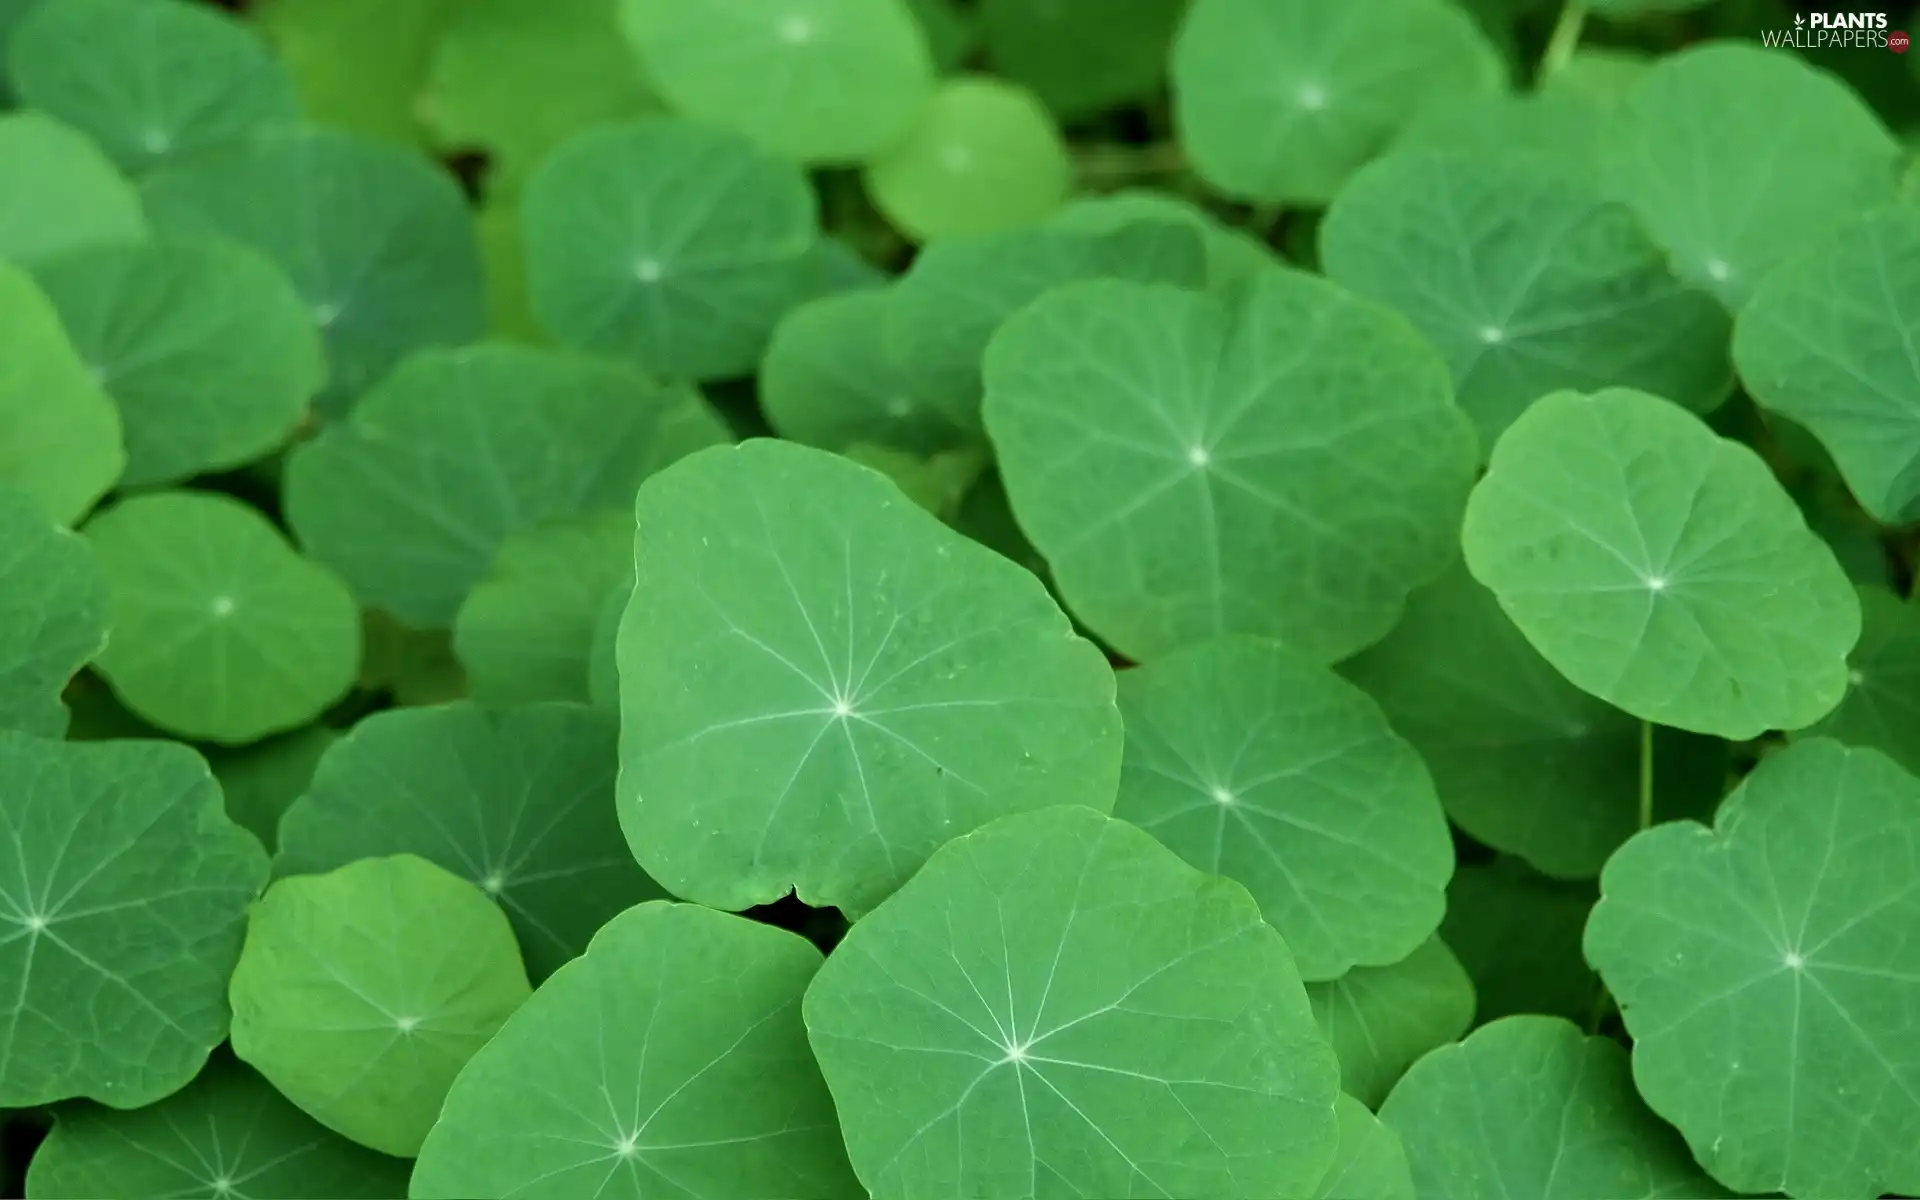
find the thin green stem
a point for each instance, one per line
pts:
(1565, 38)
(1646, 774)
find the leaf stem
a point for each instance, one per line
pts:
(1646, 774)
(1565, 37)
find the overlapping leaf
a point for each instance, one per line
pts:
(1882, 705)
(53, 614)
(1381, 1020)
(59, 192)
(1370, 1163)
(1517, 933)
(60, 439)
(1081, 56)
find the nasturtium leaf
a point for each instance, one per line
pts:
(60, 437)
(1882, 706)
(362, 992)
(221, 631)
(411, 497)
(1732, 154)
(12, 12)
(226, 1136)
(823, 81)
(525, 631)
(1284, 460)
(206, 349)
(517, 801)
(833, 377)
(1251, 762)
(1380, 1020)
(1517, 933)
(415, 667)
(1606, 74)
(1823, 342)
(122, 905)
(1370, 1163)
(359, 65)
(1081, 56)
(1661, 567)
(1058, 1006)
(377, 240)
(1280, 100)
(1523, 760)
(603, 664)
(1232, 254)
(670, 1060)
(59, 192)
(984, 156)
(149, 79)
(1558, 131)
(1768, 971)
(937, 483)
(1530, 1106)
(53, 614)
(958, 291)
(1527, 280)
(673, 244)
(821, 683)
(953, 31)
(263, 780)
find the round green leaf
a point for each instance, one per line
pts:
(1823, 342)
(1517, 933)
(984, 156)
(377, 240)
(518, 802)
(1768, 971)
(1250, 762)
(58, 192)
(59, 432)
(526, 630)
(262, 781)
(362, 992)
(1057, 1005)
(1232, 254)
(412, 496)
(832, 81)
(226, 1136)
(1287, 460)
(1382, 1019)
(1523, 760)
(670, 1060)
(121, 908)
(1661, 567)
(1882, 705)
(1280, 100)
(1369, 1164)
(673, 244)
(221, 631)
(1081, 56)
(1732, 154)
(1528, 281)
(149, 79)
(206, 349)
(821, 683)
(53, 615)
(1529, 1106)
(358, 65)
(603, 666)
(1559, 130)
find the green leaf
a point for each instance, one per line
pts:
(59, 433)
(1732, 153)
(124, 899)
(670, 1060)
(149, 80)
(603, 665)
(1232, 254)
(1370, 1164)
(221, 631)
(53, 615)
(673, 244)
(984, 156)
(358, 65)
(1057, 1005)
(1081, 56)
(525, 631)
(820, 81)
(1661, 567)
(59, 192)
(937, 483)
(1823, 341)
(1529, 1106)
(362, 992)
(1518, 935)
(821, 683)
(206, 349)
(226, 1135)
(262, 781)
(378, 241)
(1882, 705)
(1527, 280)
(1250, 762)
(953, 33)
(1285, 461)
(1555, 130)
(1768, 972)
(1380, 1020)
(1278, 101)
(415, 667)
(1524, 761)
(411, 497)
(519, 802)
